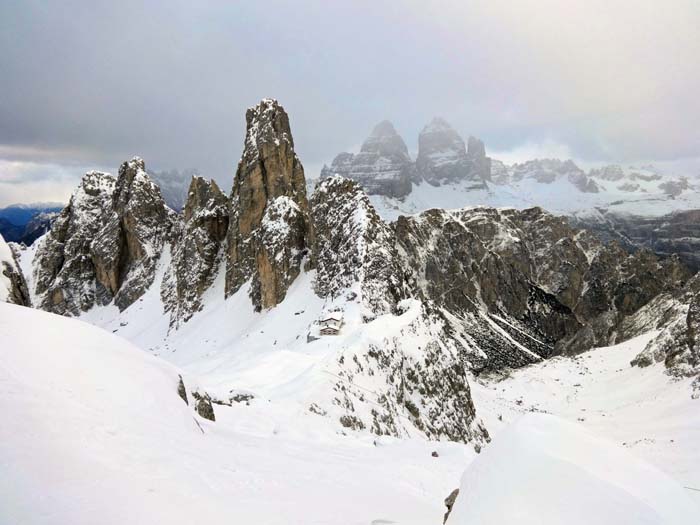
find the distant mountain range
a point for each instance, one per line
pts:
(24, 223)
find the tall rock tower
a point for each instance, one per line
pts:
(269, 230)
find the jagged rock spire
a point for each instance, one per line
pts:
(269, 230)
(105, 244)
(444, 158)
(198, 251)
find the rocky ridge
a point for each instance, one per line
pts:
(475, 289)
(384, 167)
(105, 244)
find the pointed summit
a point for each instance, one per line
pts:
(443, 157)
(383, 166)
(269, 228)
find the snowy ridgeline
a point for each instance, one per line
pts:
(639, 192)
(92, 417)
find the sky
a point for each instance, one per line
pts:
(89, 84)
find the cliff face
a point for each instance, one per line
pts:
(382, 167)
(198, 250)
(13, 287)
(105, 244)
(443, 157)
(269, 230)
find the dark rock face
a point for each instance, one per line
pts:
(269, 231)
(13, 287)
(677, 233)
(138, 226)
(105, 244)
(443, 157)
(198, 250)
(383, 166)
(203, 406)
(519, 286)
(181, 391)
(449, 503)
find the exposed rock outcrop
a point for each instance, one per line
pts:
(676, 315)
(204, 406)
(382, 167)
(105, 244)
(13, 287)
(269, 231)
(65, 276)
(354, 250)
(443, 157)
(518, 286)
(198, 250)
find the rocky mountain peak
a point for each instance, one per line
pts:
(198, 250)
(383, 166)
(269, 228)
(385, 141)
(266, 124)
(105, 244)
(444, 158)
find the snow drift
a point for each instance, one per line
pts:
(543, 470)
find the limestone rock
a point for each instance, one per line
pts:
(105, 244)
(13, 287)
(198, 250)
(443, 157)
(269, 231)
(354, 249)
(382, 167)
(547, 171)
(65, 273)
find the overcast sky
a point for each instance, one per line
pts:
(89, 83)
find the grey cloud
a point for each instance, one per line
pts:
(94, 83)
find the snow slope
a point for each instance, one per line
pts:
(559, 197)
(95, 422)
(642, 410)
(95, 432)
(544, 470)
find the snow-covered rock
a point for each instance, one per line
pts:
(105, 244)
(444, 158)
(382, 167)
(198, 250)
(13, 287)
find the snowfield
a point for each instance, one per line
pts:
(93, 422)
(544, 470)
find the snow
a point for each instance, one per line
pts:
(95, 433)
(93, 421)
(544, 470)
(559, 196)
(643, 410)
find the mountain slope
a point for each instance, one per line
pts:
(96, 422)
